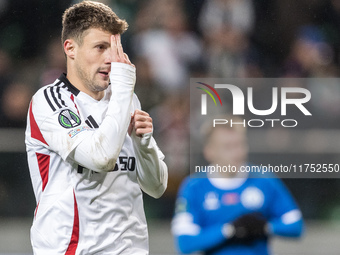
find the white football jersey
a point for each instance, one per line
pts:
(80, 211)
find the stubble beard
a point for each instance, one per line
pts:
(88, 82)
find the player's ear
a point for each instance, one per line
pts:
(69, 48)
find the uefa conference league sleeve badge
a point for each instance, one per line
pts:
(69, 119)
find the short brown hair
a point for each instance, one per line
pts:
(88, 14)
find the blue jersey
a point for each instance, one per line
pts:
(204, 205)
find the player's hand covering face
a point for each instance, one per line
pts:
(89, 61)
(117, 53)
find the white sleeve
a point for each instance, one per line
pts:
(152, 172)
(100, 149)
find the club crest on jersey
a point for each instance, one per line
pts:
(69, 119)
(252, 198)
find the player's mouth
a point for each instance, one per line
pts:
(104, 74)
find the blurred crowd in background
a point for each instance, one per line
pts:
(171, 41)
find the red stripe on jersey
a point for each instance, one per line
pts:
(35, 131)
(72, 98)
(36, 209)
(44, 166)
(72, 247)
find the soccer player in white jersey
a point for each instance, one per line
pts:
(90, 146)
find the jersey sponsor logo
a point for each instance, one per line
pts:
(252, 198)
(68, 119)
(76, 131)
(125, 163)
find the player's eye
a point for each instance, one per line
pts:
(101, 47)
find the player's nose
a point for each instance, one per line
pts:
(107, 57)
(108, 60)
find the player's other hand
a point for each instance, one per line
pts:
(117, 53)
(141, 123)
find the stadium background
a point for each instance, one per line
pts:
(171, 41)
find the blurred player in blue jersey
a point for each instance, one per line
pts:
(231, 213)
